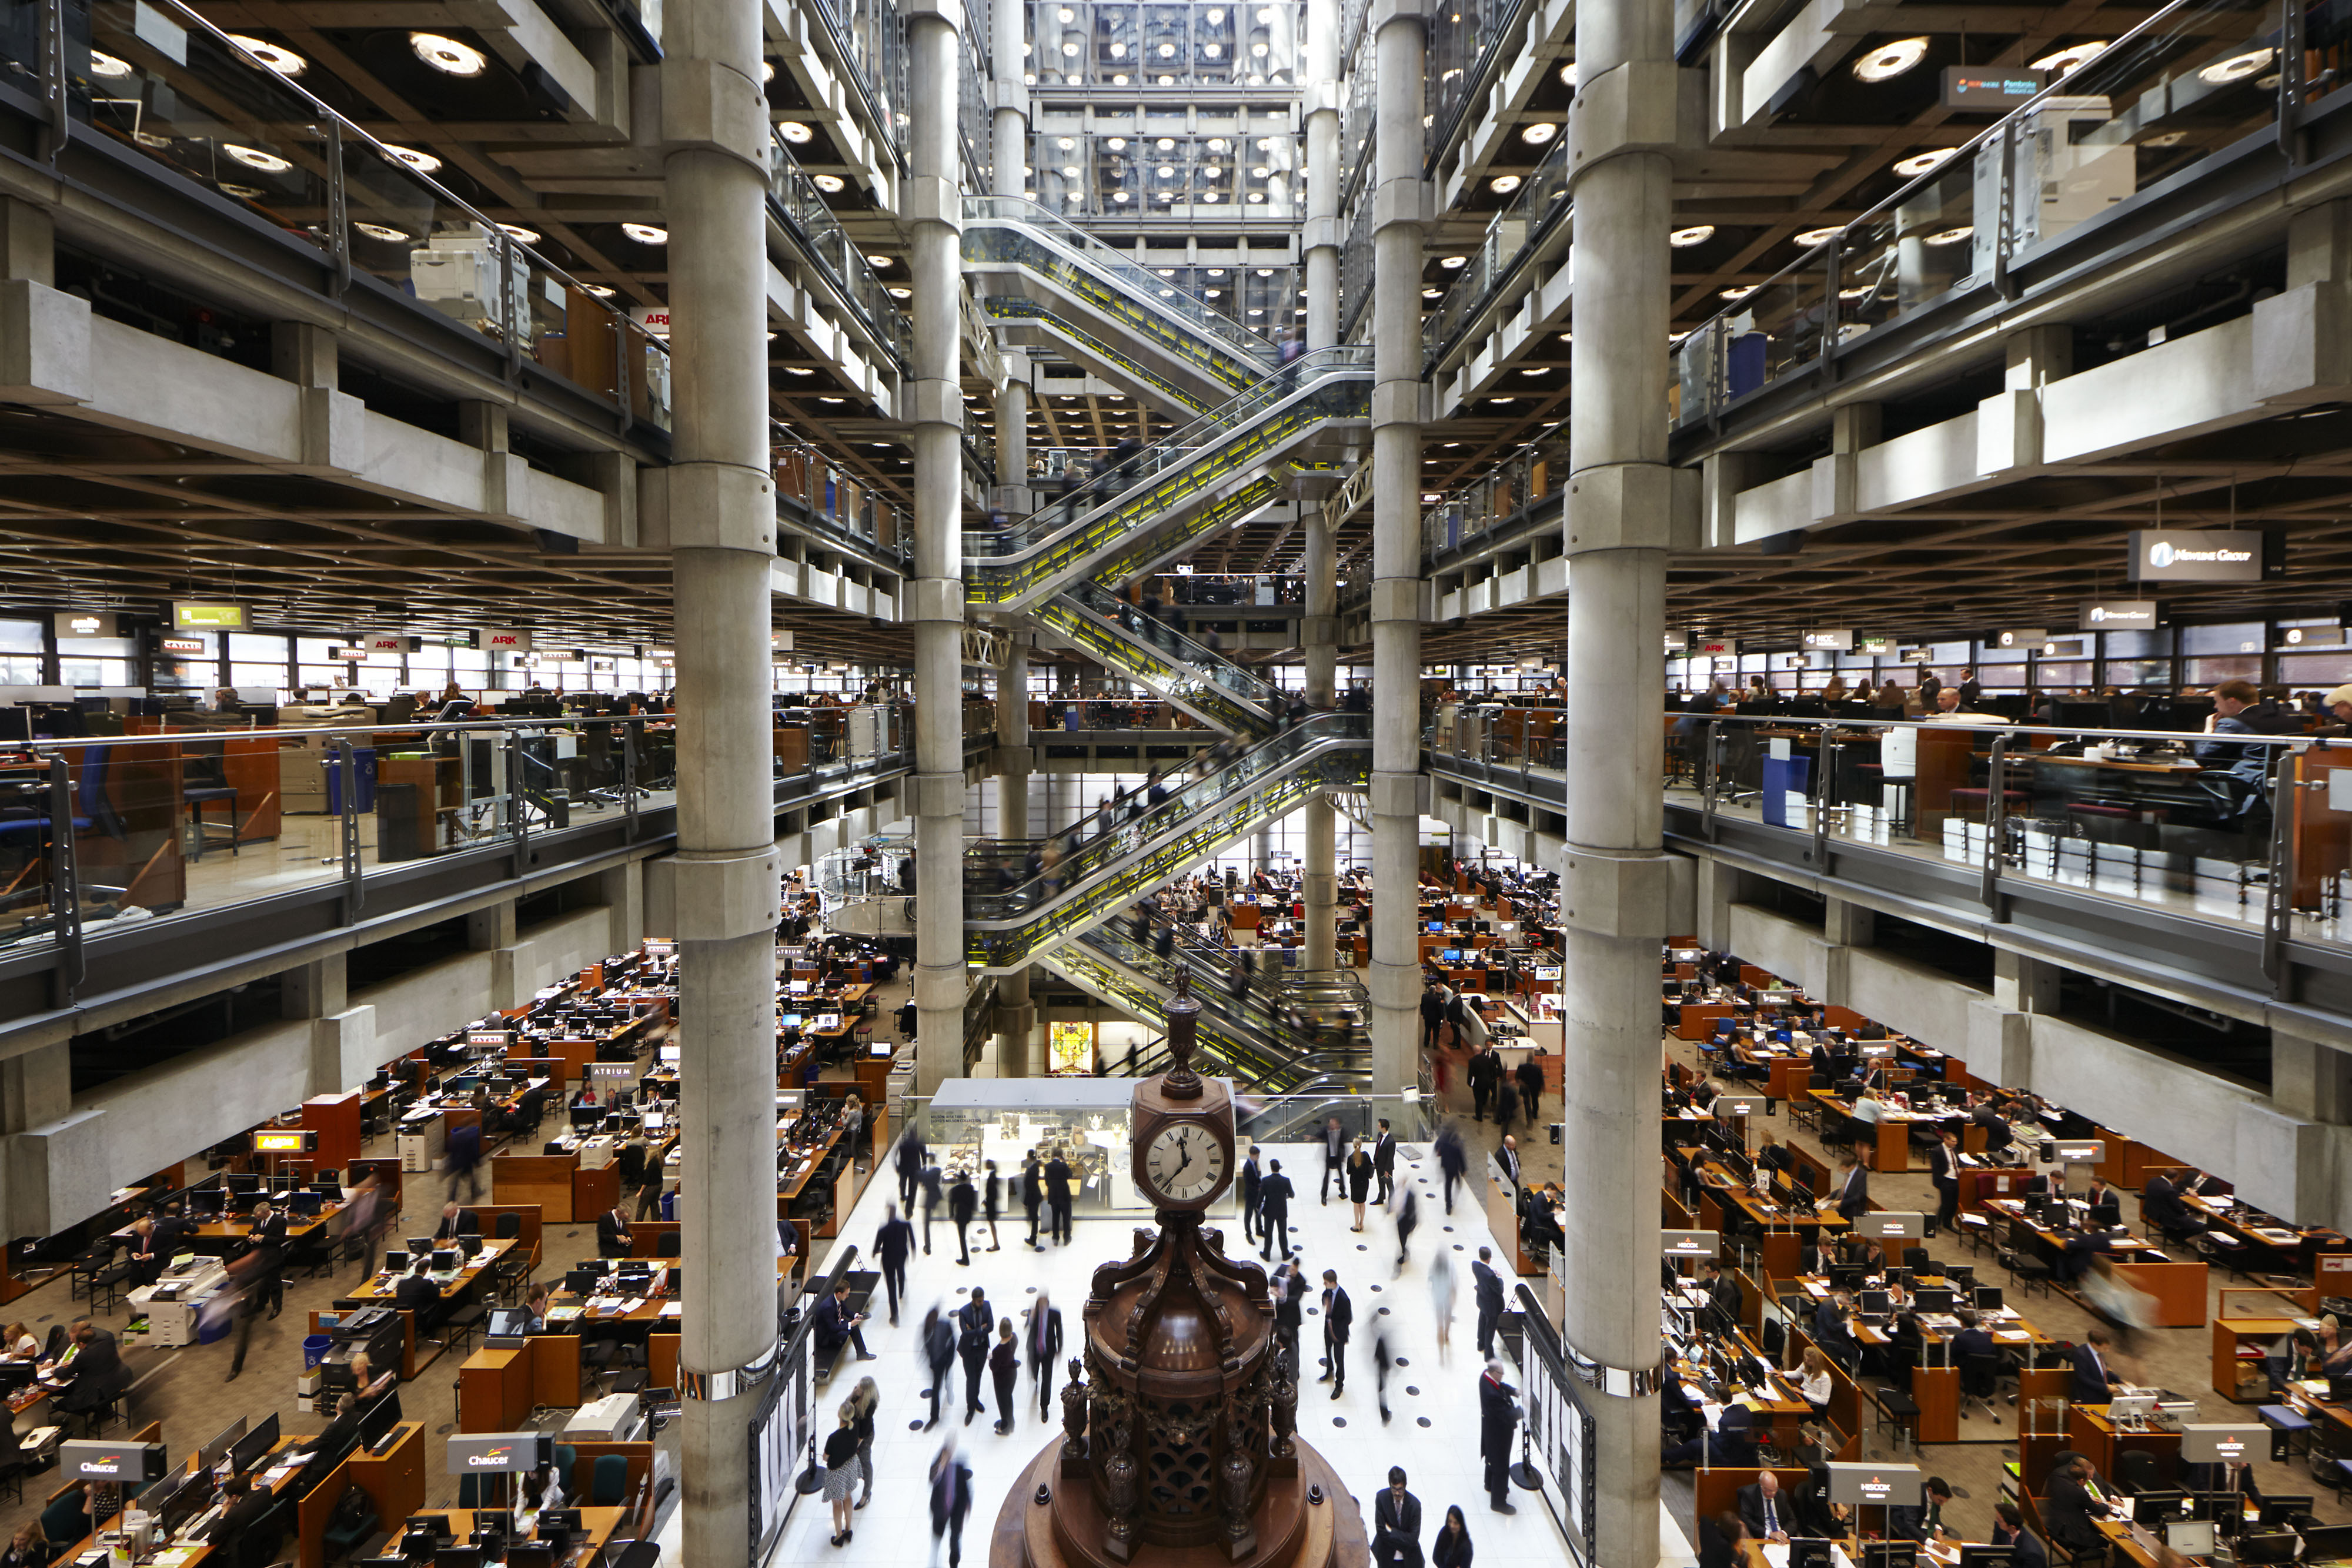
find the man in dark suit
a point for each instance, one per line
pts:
(1384, 1162)
(2160, 1201)
(1762, 1509)
(1943, 1176)
(1974, 1338)
(172, 1234)
(2106, 1209)
(1335, 1155)
(268, 1234)
(836, 1324)
(416, 1292)
(457, 1222)
(1487, 1287)
(1250, 1179)
(1925, 1522)
(1498, 1419)
(1045, 1340)
(1289, 1312)
(1339, 1316)
(1396, 1525)
(1849, 1191)
(1273, 1195)
(2074, 1258)
(893, 1244)
(245, 1510)
(2092, 1382)
(908, 1163)
(1059, 1195)
(1996, 1128)
(613, 1239)
(2008, 1530)
(2070, 1509)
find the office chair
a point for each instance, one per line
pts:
(203, 781)
(1979, 1381)
(2135, 1470)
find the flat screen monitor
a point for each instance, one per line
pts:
(244, 1181)
(418, 1246)
(395, 1261)
(2154, 1507)
(1935, 1301)
(1437, 928)
(2194, 1538)
(2277, 1546)
(529, 1555)
(1809, 1552)
(582, 1282)
(2131, 1408)
(1984, 1554)
(378, 1417)
(1890, 1553)
(2279, 1509)
(215, 1450)
(586, 1116)
(1987, 1298)
(248, 1450)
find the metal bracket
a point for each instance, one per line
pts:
(65, 884)
(1996, 829)
(339, 238)
(2278, 897)
(354, 886)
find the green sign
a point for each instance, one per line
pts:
(190, 616)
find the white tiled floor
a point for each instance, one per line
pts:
(1441, 1458)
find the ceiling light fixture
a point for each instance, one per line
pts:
(1568, 75)
(255, 158)
(1888, 62)
(600, 290)
(1920, 162)
(645, 234)
(2237, 67)
(1432, 294)
(1503, 185)
(519, 234)
(831, 184)
(284, 61)
(1812, 237)
(447, 55)
(102, 64)
(1541, 131)
(1452, 262)
(1740, 291)
(2063, 61)
(793, 131)
(379, 231)
(1683, 239)
(1951, 236)
(410, 158)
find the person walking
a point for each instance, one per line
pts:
(1484, 1072)
(991, 1199)
(1432, 1013)
(1506, 1106)
(1452, 1547)
(842, 1470)
(974, 1323)
(1273, 1212)
(464, 1161)
(1408, 1215)
(1943, 1176)
(865, 1400)
(1381, 1360)
(1004, 1365)
(1059, 1196)
(1531, 1085)
(1289, 1292)
(1339, 1315)
(1384, 1152)
(1045, 1350)
(1032, 1194)
(950, 1500)
(649, 1192)
(963, 1203)
(1487, 1285)
(1359, 1180)
(892, 1244)
(1335, 1155)
(1499, 1417)
(1250, 1179)
(933, 1185)
(1453, 1160)
(1440, 1301)
(937, 1345)
(1396, 1525)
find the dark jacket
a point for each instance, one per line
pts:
(939, 1343)
(2089, 1384)
(1486, 1286)
(417, 1293)
(963, 1200)
(1854, 1194)
(1043, 1338)
(1273, 1195)
(1450, 1551)
(893, 1243)
(2067, 1509)
(1917, 1523)
(2025, 1551)
(1339, 1315)
(1751, 1512)
(833, 1325)
(1498, 1416)
(1057, 1182)
(1385, 1155)
(612, 1235)
(1396, 1530)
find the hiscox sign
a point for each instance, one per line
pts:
(2209, 555)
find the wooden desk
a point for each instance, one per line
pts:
(378, 1289)
(2229, 1332)
(497, 1387)
(565, 1192)
(2090, 1431)
(2175, 1289)
(394, 1481)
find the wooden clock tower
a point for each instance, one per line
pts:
(1179, 1419)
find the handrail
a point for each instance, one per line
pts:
(1094, 598)
(824, 239)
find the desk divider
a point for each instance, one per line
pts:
(394, 1483)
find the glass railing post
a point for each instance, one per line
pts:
(1995, 825)
(348, 781)
(1825, 754)
(518, 803)
(339, 236)
(2278, 898)
(2290, 83)
(629, 732)
(65, 881)
(54, 90)
(1710, 759)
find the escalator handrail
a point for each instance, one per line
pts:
(1213, 667)
(1255, 1016)
(1129, 276)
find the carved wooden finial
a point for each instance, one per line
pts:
(1180, 1082)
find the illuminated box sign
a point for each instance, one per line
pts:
(2219, 1443)
(383, 642)
(504, 640)
(352, 655)
(186, 647)
(1677, 642)
(2072, 1151)
(286, 1141)
(1840, 641)
(1891, 1225)
(1720, 647)
(2026, 639)
(1988, 87)
(2311, 636)
(486, 1036)
(71, 624)
(2116, 615)
(2067, 648)
(134, 1462)
(613, 1071)
(1918, 655)
(1854, 1483)
(192, 615)
(1877, 645)
(2203, 555)
(1688, 1243)
(496, 1451)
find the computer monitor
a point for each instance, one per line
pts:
(2131, 1408)
(248, 1450)
(1987, 1298)
(244, 1181)
(582, 1282)
(1437, 928)
(1932, 1299)
(457, 1557)
(378, 1417)
(416, 1543)
(2154, 1507)
(418, 1246)
(2277, 1546)
(2279, 1509)
(1984, 1554)
(395, 1261)
(1809, 1552)
(447, 1259)
(2194, 1538)
(1872, 1303)
(305, 1205)
(559, 1518)
(1890, 1553)
(586, 1116)
(218, 1448)
(529, 1555)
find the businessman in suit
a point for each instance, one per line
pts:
(1923, 1522)
(1338, 1314)
(1849, 1190)
(1487, 1286)
(1762, 1510)
(2070, 1509)
(2106, 1208)
(1396, 1525)
(1943, 1176)
(1384, 1162)
(2092, 1382)
(1508, 1156)
(613, 1233)
(2008, 1530)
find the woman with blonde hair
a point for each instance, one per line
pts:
(841, 1469)
(863, 1399)
(1360, 1179)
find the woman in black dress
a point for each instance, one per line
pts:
(1359, 1180)
(1451, 1548)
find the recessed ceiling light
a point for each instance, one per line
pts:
(795, 132)
(1740, 291)
(1920, 162)
(2237, 67)
(830, 399)
(1498, 401)
(645, 234)
(600, 290)
(1116, 144)
(877, 262)
(1452, 262)
(1951, 236)
(1567, 74)
(519, 234)
(284, 62)
(1535, 369)
(1864, 292)
(2166, 139)
(767, 72)
(831, 184)
(798, 370)
(379, 231)
(447, 55)
(1891, 60)
(1265, 272)
(1503, 185)
(102, 64)
(902, 294)
(410, 158)
(1818, 236)
(255, 158)
(1432, 294)
(1683, 239)
(2063, 61)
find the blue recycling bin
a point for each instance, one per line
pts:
(1781, 775)
(314, 1349)
(363, 764)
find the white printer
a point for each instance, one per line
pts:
(615, 1418)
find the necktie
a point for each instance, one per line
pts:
(1772, 1518)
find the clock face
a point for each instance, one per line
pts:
(1184, 1163)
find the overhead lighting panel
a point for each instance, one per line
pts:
(1888, 62)
(447, 55)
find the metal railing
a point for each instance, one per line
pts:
(2188, 82)
(1536, 472)
(801, 204)
(1511, 235)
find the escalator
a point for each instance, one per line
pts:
(1097, 292)
(1215, 472)
(1025, 323)
(1185, 672)
(1016, 912)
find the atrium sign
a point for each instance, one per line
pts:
(2116, 615)
(2203, 555)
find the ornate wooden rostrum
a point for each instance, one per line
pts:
(1179, 1422)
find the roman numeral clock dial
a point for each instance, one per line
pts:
(1184, 1163)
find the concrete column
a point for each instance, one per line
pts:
(2024, 984)
(35, 1087)
(1614, 883)
(1013, 496)
(932, 203)
(28, 243)
(1009, 96)
(1317, 635)
(2310, 1078)
(1015, 1017)
(727, 878)
(1399, 792)
(491, 926)
(314, 990)
(1320, 241)
(623, 890)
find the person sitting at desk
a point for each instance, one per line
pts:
(1988, 1115)
(2072, 1507)
(2008, 1530)
(2160, 1202)
(1813, 1380)
(1849, 1191)
(613, 1238)
(329, 1449)
(1863, 1253)
(1677, 1416)
(1771, 1156)
(1922, 1522)
(1973, 1338)
(1539, 1231)
(2106, 1210)
(418, 1292)
(91, 1372)
(2094, 1382)
(457, 1222)
(541, 1490)
(244, 1510)
(1834, 1331)
(1762, 1510)
(1905, 1342)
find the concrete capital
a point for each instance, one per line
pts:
(1631, 108)
(718, 506)
(1319, 888)
(1318, 631)
(933, 599)
(1319, 98)
(2300, 355)
(1401, 202)
(947, 11)
(1384, 12)
(1401, 599)
(939, 795)
(724, 897)
(1614, 893)
(941, 987)
(45, 349)
(1399, 794)
(1016, 759)
(930, 199)
(1012, 95)
(930, 400)
(505, 480)
(1620, 506)
(2009, 431)
(1393, 986)
(1401, 403)
(708, 107)
(334, 430)
(1320, 234)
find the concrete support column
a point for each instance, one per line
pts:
(1615, 880)
(933, 203)
(490, 927)
(35, 1087)
(28, 243)
(1014, 1015)
(1399, 792)
(726, 881)
(623, 890)
(1320, 241)
(2024, 984)
(2310, 1078)
(1013, 498)
(1317, 633)
(316, 989)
